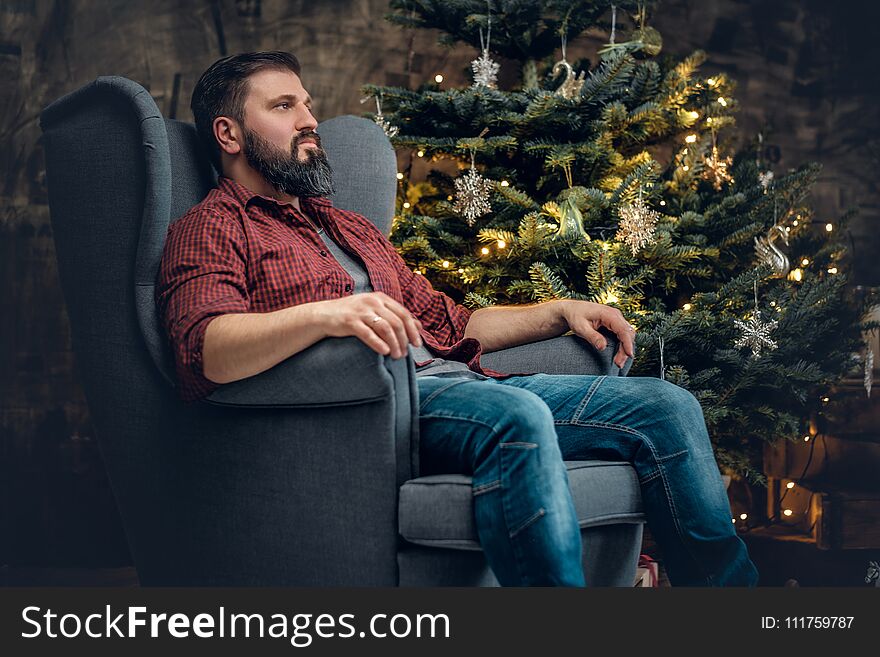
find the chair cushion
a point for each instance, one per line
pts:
(438, 511)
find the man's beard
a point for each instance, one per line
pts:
(287, 173)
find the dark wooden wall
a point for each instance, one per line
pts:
(806, 67)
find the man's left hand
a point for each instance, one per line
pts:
(585, 317)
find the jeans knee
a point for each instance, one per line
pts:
(682, 415)
(522, 420)
(527, 418)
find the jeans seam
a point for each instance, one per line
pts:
(586, 400)
(487, 487)
(432, 416)
(676, 522)
(430, 397)
(540, 513)
(519, 445)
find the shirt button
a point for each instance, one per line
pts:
(348, 288)
(323, 253)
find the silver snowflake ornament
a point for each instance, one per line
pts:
(765, 178)
(637, 225)
(472, 195)
(388, 128)
(485, 71)
(755, 334)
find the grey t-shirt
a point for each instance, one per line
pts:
(436, 366)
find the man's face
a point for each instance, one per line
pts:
(280, 141)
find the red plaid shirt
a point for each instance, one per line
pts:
(241, 252)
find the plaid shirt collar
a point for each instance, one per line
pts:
(244, 195)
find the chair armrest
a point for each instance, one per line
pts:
(332, 372)
(338, 372)
(566, 354)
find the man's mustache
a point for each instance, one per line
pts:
(308, 135)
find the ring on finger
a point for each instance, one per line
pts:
(376, 319)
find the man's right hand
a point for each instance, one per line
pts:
(356, 315)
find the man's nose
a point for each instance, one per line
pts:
(305, 120)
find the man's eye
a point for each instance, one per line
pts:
(283, 105)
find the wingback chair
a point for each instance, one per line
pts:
(306, 474)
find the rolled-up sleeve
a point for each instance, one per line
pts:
(203, 275)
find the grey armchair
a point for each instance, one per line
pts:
(307, 474)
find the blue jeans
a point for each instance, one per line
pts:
(512, 435)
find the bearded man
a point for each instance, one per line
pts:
(265, 267)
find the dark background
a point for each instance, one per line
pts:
(805, 69)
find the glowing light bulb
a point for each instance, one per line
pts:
(805, 261)
(743, 516)
(832, 270)
(694, 115)
(806, 439)
(445, 264)
(690, 139)
(484, 251)
(686, 167)
(787, 512)
(687, 306)
(794, 223)
(501, 244)
(662, 202)
(829, 227)
(399, 176)
(421, 153)
(406, 205)
(796, 274)
(789, 485)
(825, 399)
(449, 198)
(722, 102)
(787, 229)
(461, 271)
(711, 82)
(504, 183)
(417, 271)
(438, 78)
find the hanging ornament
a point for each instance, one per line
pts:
(637, 225)
(715, 168)
(573, 83)
(767, 251)
(644, 38)
(472, 194)
(755, 333)
(485, 69)
(571, 222)
(765, 178)
(869, 367)
(652, 42)
(388, 128)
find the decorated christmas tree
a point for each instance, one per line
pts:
(614, 184)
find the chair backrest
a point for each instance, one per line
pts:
(166, 173)
(118, 174)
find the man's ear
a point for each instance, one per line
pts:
(227, 134)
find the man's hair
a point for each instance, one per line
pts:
(223, 89)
